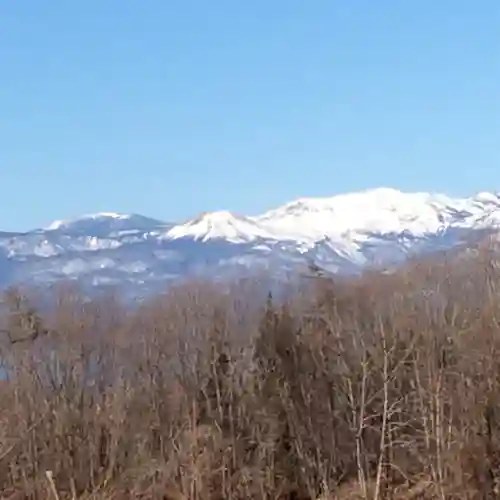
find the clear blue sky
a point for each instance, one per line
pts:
(170, 107)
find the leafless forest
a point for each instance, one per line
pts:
(380, 387)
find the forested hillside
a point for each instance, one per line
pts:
(384, 386)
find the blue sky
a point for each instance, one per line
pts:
(170, 107)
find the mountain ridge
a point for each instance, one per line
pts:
(343, 234)
(384, 196)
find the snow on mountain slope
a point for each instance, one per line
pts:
(380, 210)
(64, 224)
(343, 234)
(347, 217)
(104, 223)
(219, 225)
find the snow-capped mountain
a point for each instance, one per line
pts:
(104, 223)
(343, 234)
(220, 225)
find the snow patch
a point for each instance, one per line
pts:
(60, 224)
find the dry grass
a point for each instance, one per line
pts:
(377, 388)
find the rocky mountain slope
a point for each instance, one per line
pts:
(343, 234)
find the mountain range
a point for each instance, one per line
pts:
(341, 234)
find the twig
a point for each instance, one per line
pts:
(52, 484)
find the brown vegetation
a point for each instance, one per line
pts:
(387, 386)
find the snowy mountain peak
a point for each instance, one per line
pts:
(381, 211)
(60, 224)
(219, 225)
(104, 224)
